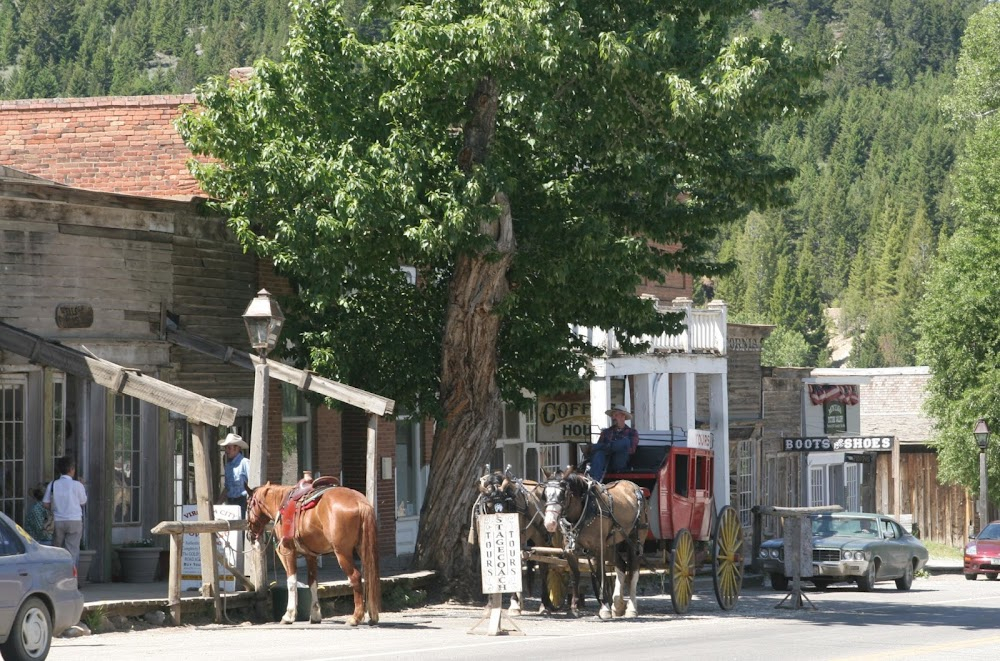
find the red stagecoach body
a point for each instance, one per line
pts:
(678, 483)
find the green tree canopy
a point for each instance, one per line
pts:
(527, 157)
(960, 314)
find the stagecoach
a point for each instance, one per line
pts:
(686, 533)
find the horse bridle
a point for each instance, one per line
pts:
(256, 520)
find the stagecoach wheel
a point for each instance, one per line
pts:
(727, 558)
(555, 584)
(682, 570)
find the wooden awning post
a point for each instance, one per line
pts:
(203, 497)
(371, 483)
(256, 559)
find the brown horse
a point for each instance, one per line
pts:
(602, 524)
(504, 493)
(341, 521)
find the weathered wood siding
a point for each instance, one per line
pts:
(213, 282)
(129, 260)
(943, 513)
(781, 401)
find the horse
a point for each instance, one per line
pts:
(324, 520)
(501, 492)
(602, 523)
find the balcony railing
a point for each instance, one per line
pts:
(704, 331)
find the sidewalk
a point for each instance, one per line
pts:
(137, 599)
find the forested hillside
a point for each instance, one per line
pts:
(872, 201)
(870, 207)
(52, 48)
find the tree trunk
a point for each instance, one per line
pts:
(469, 388)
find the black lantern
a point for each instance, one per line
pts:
(264, 319)
(982, 434)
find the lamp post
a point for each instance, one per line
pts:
(263, 319)
(982, 434)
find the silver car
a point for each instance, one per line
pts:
(851, 547)
(39, 596)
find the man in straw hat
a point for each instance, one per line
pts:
(237, 473)
(616, 444)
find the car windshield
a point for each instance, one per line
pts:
(824, 525)
(992, 531)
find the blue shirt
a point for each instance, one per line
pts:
(237, 473)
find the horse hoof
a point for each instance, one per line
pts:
(619, 606)
(604, 613)
(542, 610)
(514, 612)
(631, 612)
(315, 621)
(287, 620)
(352, 622)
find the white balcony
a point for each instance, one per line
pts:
(704, 331)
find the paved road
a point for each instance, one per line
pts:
(941, 617)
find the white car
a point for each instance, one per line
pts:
(39, 595)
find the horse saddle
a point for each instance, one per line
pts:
(304, 496)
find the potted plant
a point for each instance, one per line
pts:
(86, 560)
(139, 560)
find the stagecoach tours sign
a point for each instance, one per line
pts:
(500, 553)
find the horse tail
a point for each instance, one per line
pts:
(371, 583)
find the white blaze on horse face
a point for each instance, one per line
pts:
(553, 506)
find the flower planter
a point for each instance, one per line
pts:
(83, 569)
(139, 563)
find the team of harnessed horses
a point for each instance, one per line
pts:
(566, 521)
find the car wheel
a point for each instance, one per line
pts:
(779, 582)
(992, 577)
(971, 577)
(30, 633)
(866, 583)
(906, 580)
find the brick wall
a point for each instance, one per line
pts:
(119, 144)
(355, 450)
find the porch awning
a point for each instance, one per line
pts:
(115, 377)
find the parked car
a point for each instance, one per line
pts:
(851, 547)
(982, 554)
(39, 595)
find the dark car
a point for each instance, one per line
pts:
(39, 596)
(852, 547)
(982, 554)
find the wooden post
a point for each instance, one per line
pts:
(203, 497)
(256, 560)
(174, 579)
(371, 462)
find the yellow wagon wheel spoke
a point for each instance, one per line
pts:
(682, 570)
(727, 558)
(556, 585)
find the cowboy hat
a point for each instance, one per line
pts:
(618, 408)
(233, 439)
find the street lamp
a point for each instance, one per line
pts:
(982, 434)
(263, 319)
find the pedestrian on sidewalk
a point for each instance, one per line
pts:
(35, 519)
(237, 473)
(66, 497)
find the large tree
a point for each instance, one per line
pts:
(532, 159)
(960, 314)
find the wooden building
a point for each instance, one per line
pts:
(106, 246)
